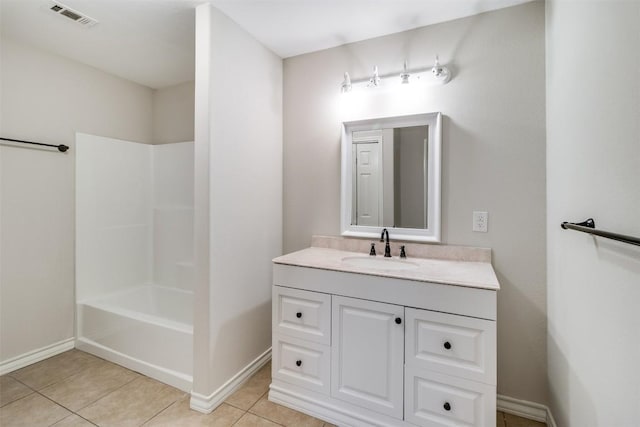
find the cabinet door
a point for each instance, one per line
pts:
(367, 354)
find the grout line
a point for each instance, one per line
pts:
(166, 407)
(20, 398)
(237, 407)
(87, 420)
(79, 416)
(236, 422)
(256, 402)
(17, 400)
(92, 402)
(59, 380)
(56, 403)
(108, 393)
(256, 415)
(500, 415)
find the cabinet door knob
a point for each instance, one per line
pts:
(446, 406)
(447, 345)
(298, 362)
(298, 315)
(398, 320)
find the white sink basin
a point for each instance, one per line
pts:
(378, 263)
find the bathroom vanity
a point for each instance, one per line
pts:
(360, 340)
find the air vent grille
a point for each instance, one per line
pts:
(74, 15)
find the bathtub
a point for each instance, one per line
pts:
(148, 329)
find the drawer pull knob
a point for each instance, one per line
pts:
(298, 362)
(398, 320)
(447, 407)
(298, 315)
(447, 345)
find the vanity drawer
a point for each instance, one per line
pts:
(457, 345)
(302, 314)
(433, 399)
(302, 363)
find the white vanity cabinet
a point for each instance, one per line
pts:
(369, 350)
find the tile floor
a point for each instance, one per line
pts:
(76, 389)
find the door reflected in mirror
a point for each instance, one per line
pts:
(391, 177)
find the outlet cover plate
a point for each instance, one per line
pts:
(480, 221)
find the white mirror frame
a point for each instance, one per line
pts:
(432, 232)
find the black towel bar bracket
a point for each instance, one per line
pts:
(62, 148)
(589, 226)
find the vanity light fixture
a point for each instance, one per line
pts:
(437, 75)
(346, 84)
(404, 76)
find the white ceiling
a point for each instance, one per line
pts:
(293, 27)
(151, 42)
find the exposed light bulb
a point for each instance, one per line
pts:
(437, 68)
(404, 76)
(346, 84)
(374, 81)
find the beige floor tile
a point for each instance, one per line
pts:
(250, 420)
(131, 405)
(252, 390)
(282, 415)
(328, 425)
(73, 421)
(31, 411)
(11, 390)
(500, 419)
(49, 371)
(179, 414)
(516, 421)
(89, 385)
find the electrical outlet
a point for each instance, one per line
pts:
(480, 221)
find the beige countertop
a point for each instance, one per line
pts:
(457, 270)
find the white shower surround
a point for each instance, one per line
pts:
(134, 255)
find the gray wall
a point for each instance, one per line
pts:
(493, 156)
(593, 170)
(48, 98)
(173, 113)
(412, 183)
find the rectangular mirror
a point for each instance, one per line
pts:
(391, 177)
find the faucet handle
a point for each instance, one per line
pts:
(372, 252)
(403, 254)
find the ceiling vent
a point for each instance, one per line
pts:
(74, 15)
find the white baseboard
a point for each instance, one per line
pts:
(206, 404)
(524, 408)
(34, 356)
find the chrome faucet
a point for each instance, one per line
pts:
(387, 248)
